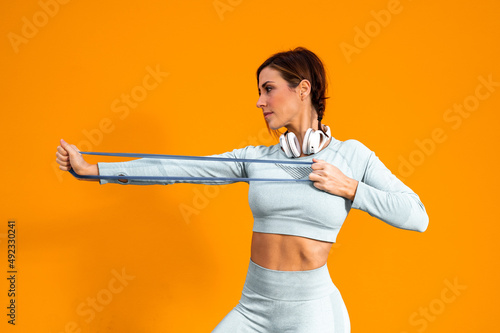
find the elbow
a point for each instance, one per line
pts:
(417, 221)
(422, 223)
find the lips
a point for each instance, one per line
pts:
(267, 114)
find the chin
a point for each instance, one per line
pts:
(275, 127)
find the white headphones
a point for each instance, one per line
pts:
(311, 144)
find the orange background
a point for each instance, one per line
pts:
(64, 78)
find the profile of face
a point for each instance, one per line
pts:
(281, 105)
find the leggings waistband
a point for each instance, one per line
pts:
(290, 285)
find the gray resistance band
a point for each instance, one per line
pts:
(185, 157)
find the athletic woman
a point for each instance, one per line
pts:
(288, 286)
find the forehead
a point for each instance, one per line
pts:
(269, 74)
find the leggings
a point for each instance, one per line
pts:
(287, 301)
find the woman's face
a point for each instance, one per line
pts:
(280, 104)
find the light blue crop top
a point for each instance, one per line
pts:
(294, 208)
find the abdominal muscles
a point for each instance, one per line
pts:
(288, 252)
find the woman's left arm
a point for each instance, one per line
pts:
(382, 195)
(378, 192)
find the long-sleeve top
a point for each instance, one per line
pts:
(293, 208)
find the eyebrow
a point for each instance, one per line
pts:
(263, 84)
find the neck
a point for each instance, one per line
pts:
(300, 126)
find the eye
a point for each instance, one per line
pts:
(266, 88)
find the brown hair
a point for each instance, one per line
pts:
(297, 65)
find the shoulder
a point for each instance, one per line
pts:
(353, 147)
(357, 155)
(257, 151)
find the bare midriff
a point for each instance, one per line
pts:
(288, 252)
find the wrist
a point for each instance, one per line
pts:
(352, 186)
(91, 170)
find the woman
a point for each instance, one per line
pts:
(288, 286)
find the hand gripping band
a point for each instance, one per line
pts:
(185, 157)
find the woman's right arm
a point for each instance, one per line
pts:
(68, 156)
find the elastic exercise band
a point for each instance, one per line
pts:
(185, 157)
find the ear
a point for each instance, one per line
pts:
(304, 88)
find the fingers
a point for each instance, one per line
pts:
(314, 176)
(63, 161)
(319, 186)
(71, 149)
(319, 180)
(63, 155)
(65, 147)
(318, 164)
(64, 168)
(62, 151)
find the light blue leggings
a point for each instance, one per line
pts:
(287, 301)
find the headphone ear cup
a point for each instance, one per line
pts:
(284, 145)
(305, 143)
(324, 139)
(293, 143)
(314, 142)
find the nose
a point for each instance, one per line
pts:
(260, 102)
